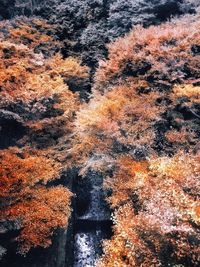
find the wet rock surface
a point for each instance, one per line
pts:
(90, 202)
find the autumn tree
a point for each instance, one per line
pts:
(35, 83)
(146, 88)
(25, 197)
(141, 130)
(156, 212)
(162, 56)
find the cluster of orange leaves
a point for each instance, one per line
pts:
(161, 55)
(152, 211)
(29, 77)
(38, 208)
(141, 94)
(31, 32)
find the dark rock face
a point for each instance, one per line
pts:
(60, 254)
(11, 128)
(7, 8)
(90, 201)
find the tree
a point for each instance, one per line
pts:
(156, 212)
(35, 95)
(141, 131)
(26, 198)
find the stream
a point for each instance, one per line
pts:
(92, 220)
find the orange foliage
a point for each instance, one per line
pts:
(141, 130)
(162, 211)
(30, 68)
(34, 76)
(38, 80)
(188, 90)
(143, 84)
(162, 55)
(26, 75)
(38, 209)
(48, 209)
(180, 137)
(121, 116)
(30, 32)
